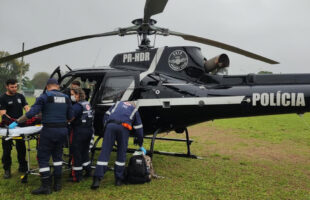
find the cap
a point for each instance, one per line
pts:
(52, 81)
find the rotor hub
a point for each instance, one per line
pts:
(144, 29)
(139, 22)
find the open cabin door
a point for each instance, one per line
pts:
(115, 86)
(56, 74)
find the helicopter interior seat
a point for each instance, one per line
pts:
(88, 91)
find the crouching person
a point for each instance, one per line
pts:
(80, 135)
(119, 120)
(56, 110)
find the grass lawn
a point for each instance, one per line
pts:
(243, 158)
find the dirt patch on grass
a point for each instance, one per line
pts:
(211, 140)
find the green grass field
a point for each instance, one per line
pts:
(243, 158)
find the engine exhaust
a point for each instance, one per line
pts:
(217, 62)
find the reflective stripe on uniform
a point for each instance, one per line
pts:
(86, 164)
(133, 112)
(108, 112)
(77, 168)
(138, 126)
(57, 163)
(44, 169)
(91, 144)
(102, 163)
(112, 111)
(120, 163)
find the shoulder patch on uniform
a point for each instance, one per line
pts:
(128, 104)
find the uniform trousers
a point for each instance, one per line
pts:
(21, 153)
(80, 138)
(50, 144)
(113, 132)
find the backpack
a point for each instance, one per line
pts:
(138, 170)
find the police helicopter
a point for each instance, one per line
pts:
(176, 87)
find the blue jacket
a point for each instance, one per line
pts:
(126, 113)
(55, 106)
(83, 114)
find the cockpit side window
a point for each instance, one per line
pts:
(116, 87)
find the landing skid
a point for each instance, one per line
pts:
(151, 151)
(187, 141)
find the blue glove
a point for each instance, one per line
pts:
(13, 125)
(143, 150)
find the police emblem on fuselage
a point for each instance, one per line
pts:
(178, 60)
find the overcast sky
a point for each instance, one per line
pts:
(277, 29)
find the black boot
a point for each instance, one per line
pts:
(87, 172)
(7, 174)
(23, 168)
(96, 183)
(57, 183)
(118, 182)
(76, 177)
(45, 187)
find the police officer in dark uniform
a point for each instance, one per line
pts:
(119, 120)
(81, 134)
(11, 108)
(56, 110)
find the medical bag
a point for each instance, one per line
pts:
(138, 170)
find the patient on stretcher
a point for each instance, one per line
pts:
(30, 122)
(31, 126)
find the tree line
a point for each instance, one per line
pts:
(16, 68)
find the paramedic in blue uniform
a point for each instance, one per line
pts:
(11, 108)
(119, 120)
(81, 134)
(56, 111)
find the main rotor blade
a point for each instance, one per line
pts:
(223, 46)
(153, 7)
(54, 44)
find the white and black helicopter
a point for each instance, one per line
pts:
(176, 87)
